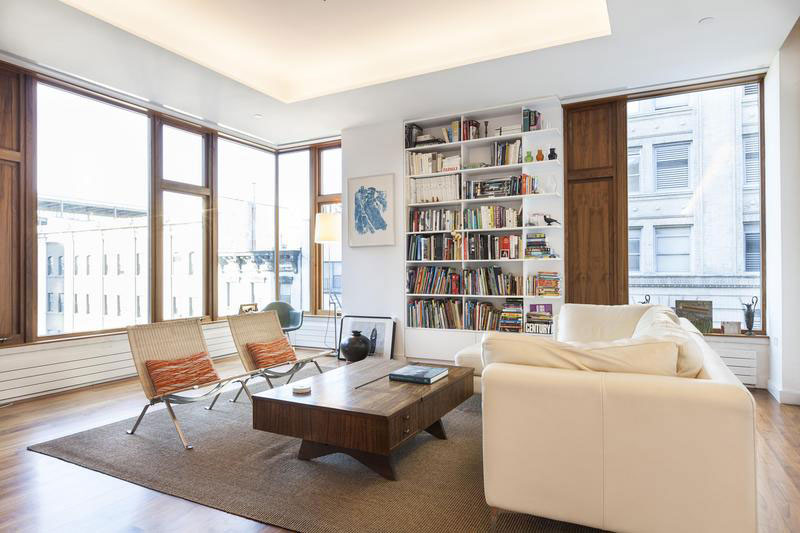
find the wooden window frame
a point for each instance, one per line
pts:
(318, 307)
(730, 82)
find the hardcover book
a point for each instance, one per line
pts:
(424, 375)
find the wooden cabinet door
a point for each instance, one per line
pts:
(11, 179)
(596, 205)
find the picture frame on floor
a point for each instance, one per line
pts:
(378, 329)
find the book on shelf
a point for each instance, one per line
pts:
(435, 189)
(431, 219)
(536, 246)
(433, 280)
(531, 120)
(503, 186)
(481, 316)
(438, 247)
(479, 246)
(423, 375)
(426, 140)
(506, 153)
(492, 217)
(547, 284)
(471, 130)
(511, 316)
(539, 319)
(438, 314)
(431, 162)
(491, 281)
(508, 130)
(452, 133)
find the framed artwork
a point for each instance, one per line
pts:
(378, 329)
(371, 210)
(698, 312)
(248, 308)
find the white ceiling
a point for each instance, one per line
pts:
(651, 43)
(298, 50)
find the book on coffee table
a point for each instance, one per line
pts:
(424, 375)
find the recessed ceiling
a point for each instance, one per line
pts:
(302, 49)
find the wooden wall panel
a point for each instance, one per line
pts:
(11, 187)
(596, 217)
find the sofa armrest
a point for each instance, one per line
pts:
(617, 451)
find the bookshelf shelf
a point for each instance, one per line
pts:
(547, 175)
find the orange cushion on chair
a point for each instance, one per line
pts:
(271, 353)
(181, 374)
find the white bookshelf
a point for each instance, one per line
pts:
(442, 344)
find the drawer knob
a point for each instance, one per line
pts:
(407, 417)
(407, 431)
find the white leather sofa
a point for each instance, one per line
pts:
(618, 451)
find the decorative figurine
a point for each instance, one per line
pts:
(528, 157)
(750, 314)
(485, 128)
(539, 155)
(552, 155)
(550, 221)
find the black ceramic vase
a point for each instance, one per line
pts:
(552, 155)
(355, 348)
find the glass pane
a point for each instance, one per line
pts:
(331, 171)
(183, 156)
(699, 200)
(183, 256)
(294, 195)
(92, 165)
(246, 260)
(331, 267)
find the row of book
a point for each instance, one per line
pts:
(511, 316)
(452, 133)
(426, 163)
(539, 319)
(440, 247)
(440, 314)
(433, 280)
(492, 217)
(436, 189)
(471, 130)
(481, 316)
(434, 220)
(531, 120)
(506, 153)
(544, 284)
(491, 281)
(503, 186)
(536, 246)
(478, 246)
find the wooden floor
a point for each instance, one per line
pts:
(39, 493)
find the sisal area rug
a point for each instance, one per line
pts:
(256, 475)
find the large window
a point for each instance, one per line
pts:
(182, 245)
(246, 219)
(329, 200)
(695, 231)
(294, 223)
(92, 180)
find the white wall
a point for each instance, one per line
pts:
(782, 190)
(373, 276)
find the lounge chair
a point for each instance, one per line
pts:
(168, 341)
(264, 327)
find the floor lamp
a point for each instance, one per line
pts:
(328, 230)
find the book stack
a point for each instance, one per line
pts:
(432, 248)
(452, 133)
(472, 130)
(440, 314)
(427, 140)
(539, 319)
(511, 317)
(431, 162)
(491, 281)
(508, 130)
(547, 284)
(505, 186)
(481, 316)
(536, 246)
(437, 189)
(492, 217)
(434, 220)
(492, 246)
(506, 153)
(433, 280)
(531, 120)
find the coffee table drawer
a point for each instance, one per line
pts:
(403, 425)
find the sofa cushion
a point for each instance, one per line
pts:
(271, 353)
(181, 374)
(471, 357)
(636, 356)
(589, 323)
(662, 323)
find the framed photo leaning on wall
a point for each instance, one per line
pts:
(370, 208)
(378, 329)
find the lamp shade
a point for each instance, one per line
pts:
(328, 228)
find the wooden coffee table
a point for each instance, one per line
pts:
(355, 409)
